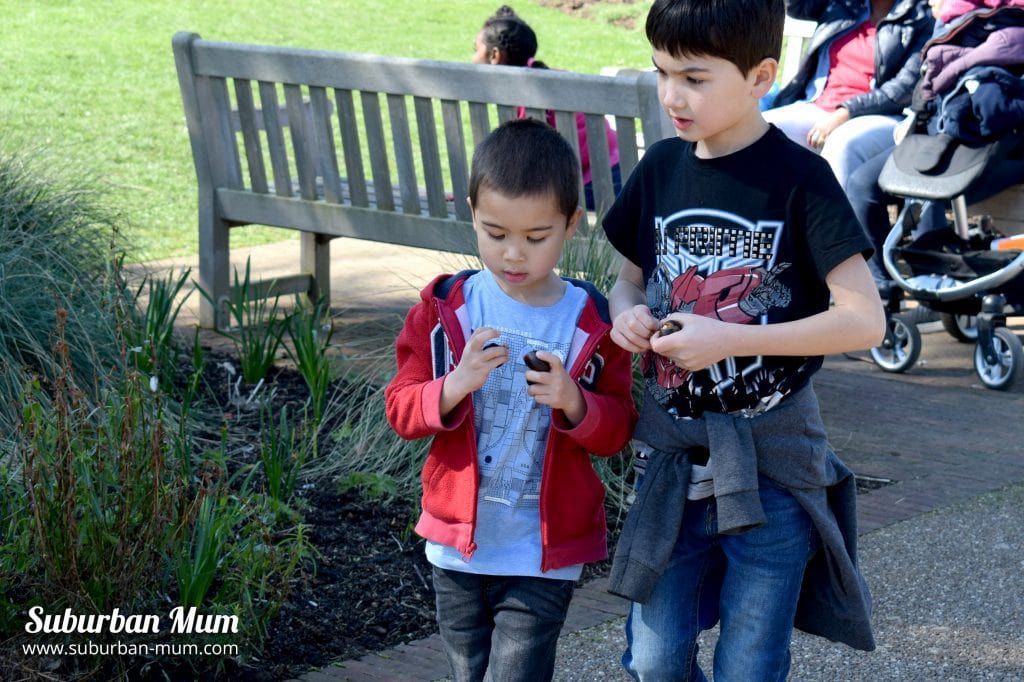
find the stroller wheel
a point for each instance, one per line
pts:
(963, 328)
(901, 346)
(1009, 356)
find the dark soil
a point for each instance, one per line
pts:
(368, 586)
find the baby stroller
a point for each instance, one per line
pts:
(965, 135)
(954, 272)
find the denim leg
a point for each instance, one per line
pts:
(661, 633)
(500, 628)
(761, 588)
(528, 617)
(464, 622)
(856, 141)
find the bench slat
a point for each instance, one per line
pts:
(250, 135)
(302, 141)
(600, 171)
(401, 137)
(430, 154)
(354, 173)
(505, 113)
(275, 139)
(220, 138)
(629, 154)
(565, 123)
(479, 121)
(323, 136)
(377, 147)
(458, 165)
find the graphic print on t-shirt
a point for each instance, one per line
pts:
(511, 428)
(718, 265)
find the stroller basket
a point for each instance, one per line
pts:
(948, 274)
(927, 167)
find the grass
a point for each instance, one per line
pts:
(95, 82)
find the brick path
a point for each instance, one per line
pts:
(939, 436)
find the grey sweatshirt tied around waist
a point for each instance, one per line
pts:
(786, 444)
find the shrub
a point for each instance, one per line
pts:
(107, 500)
(108, 521)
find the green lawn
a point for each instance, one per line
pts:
(91, 85)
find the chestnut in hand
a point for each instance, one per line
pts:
(669, 327)
(535, 363)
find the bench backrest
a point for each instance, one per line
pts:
(378, 147)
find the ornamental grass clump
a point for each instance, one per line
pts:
(150, 336)
(56, 241)
(310, 330)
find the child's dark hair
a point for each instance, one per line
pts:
(511, 35)
(527, 157)
(743, 32)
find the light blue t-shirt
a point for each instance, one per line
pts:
(512, 432)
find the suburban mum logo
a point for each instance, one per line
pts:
(182, 621)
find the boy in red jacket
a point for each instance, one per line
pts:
(511, 506)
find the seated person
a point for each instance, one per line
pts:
(855, 79)
(507, 39)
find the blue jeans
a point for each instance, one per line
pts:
(749, 582)
(500, 628)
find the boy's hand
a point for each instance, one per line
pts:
(556, 389)
(632, 329)
(699, 344)
(476, 363)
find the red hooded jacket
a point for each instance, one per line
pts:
(572, 518)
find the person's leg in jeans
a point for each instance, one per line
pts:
(661, 633)
(464, 622)
(854, 142)
(528, 616)
(751, 581)
(870, 205)
(765, 569)
(500, 628)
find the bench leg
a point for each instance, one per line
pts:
(315, 260)
(214, 266)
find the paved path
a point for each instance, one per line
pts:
(939, 437)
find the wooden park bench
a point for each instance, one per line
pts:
(370, 147)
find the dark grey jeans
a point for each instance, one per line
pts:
(500, 628)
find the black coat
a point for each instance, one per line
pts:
(899, 37)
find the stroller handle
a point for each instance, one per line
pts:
(958, 290)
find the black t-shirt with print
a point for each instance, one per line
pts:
(745, 238)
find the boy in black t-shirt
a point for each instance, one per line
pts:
(744, 515)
